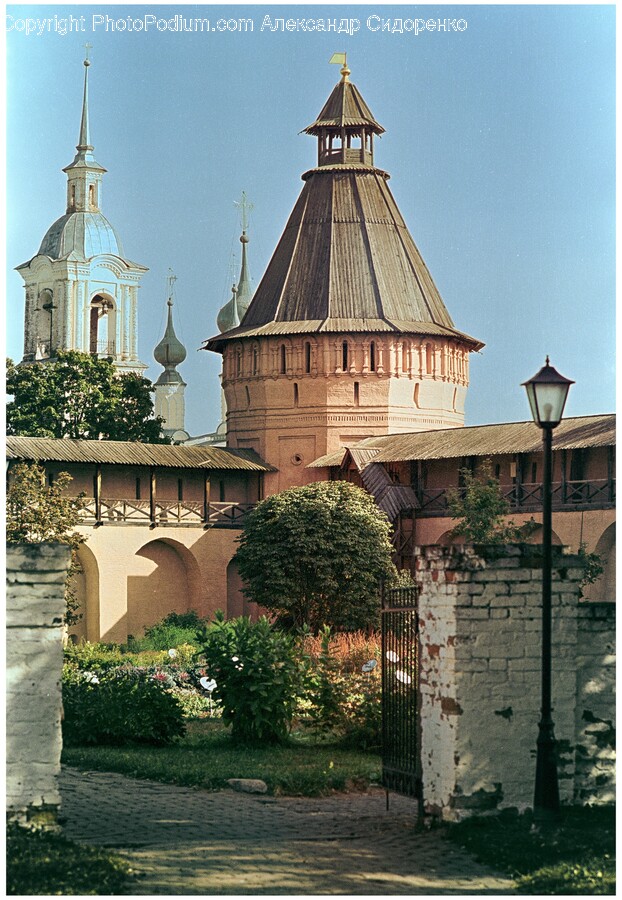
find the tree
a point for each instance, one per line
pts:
(81, 396)
(37, 512)
(481, 508)
(315, 555)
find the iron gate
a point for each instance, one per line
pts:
(401, 744)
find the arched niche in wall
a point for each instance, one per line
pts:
(85, 586)
(604, 589)
(169, 583)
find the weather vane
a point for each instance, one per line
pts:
(245, 208)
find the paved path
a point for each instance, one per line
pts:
(185, 841)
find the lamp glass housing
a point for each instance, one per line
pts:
(547, 393)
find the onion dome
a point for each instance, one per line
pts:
(170, 352)
(228, 317)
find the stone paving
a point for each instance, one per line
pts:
(183, 841)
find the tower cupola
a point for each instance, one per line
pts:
(170, 386)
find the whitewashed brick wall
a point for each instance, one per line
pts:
(35, 608)
(480, 630)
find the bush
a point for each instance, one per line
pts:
(118, 708)
(341, 699)
(171, 632)
(97, 657)
(259, 675)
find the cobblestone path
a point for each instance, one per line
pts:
(184, 841)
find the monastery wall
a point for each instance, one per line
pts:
(480, 634)
(35, 607)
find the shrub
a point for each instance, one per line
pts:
(118, 708)
(172, 631)
(259, 675)
(341, 699)
(98, 657)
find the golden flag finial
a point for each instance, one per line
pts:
(341, 59)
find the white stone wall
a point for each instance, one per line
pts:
(596, 710)
(35, 608)
(480, 632)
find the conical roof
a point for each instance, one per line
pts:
(345, 108)
(346, 261)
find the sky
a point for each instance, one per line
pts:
(499, 141)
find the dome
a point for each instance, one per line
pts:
(170, 352)
(86, 234)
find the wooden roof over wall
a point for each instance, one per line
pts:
(133, 453)
(480, 440)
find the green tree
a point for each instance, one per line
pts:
(80, 396)
(315, 555)
(481, 510)
(38, 512)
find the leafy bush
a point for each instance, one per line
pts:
(259, 675)
(341, 699)
(171, 632)
(118, 708)
(96, 657)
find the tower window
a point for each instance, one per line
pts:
(180, 489)
(344, 356)
(255, 361)
(404, 358)
(416, 395)
(429, 359)
(534, 473)
(248, 397)
(307, 357)
(238, 363)
(295, 395)
(283, 361)
(138, 488)
(356, 393)
(372, 356)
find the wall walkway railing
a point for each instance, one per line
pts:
(527, 497)
(164, 512)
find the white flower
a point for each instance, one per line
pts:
(235, 659)
(172, 653)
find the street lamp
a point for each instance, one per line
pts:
(547, 392)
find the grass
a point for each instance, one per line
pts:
(206, 758)
(41, 862)
(576, 857)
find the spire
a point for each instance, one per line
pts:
(170, 352)
(84, 157)
(233, 311)
(245, 288)
(84, 141)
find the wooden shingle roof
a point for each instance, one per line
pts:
(480, 440)
(345, 108)
(133, 453)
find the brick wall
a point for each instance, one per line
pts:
(480, 615)
(35, 609)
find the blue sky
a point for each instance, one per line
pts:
(499, 140)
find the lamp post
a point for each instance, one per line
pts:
(547, 392)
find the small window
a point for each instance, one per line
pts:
(416, 396)
(372, 356)
(295, 395)
(307, 357)
(51, 479)
(255, 361)
(283, 366)
(221, 491)
(405, 358)
(138, 488)
(248, 397)
(497, 472)
(534, 473)
(344, 356)
(429, 359)
(180, 489)
(238, 363)
(356, 393)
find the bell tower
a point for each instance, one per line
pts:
(347, 336)
(81, 290)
